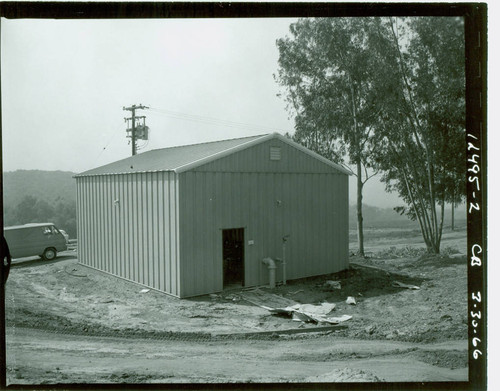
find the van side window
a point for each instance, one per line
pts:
(47, 230)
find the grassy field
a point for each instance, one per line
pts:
(384, 239)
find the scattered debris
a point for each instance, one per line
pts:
(401, 252)
(333, 284)
(300, 317)
(351, 300)
(232, 298)
(336, 319)
(314, 310)
(345, 375)
(310, 313)
(294, 293)
(398, 284)
(145, 290)
(71, 273)
(214, 296)
(282, 306)
(201, 316)
(266, 300)
(370, 329)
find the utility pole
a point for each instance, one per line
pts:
(144, 129)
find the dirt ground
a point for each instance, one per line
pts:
(60, 309)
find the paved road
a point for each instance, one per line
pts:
(35, 357)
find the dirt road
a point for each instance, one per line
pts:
(44, 357)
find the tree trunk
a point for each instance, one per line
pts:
(420, 213)
(453, 215)
(441, 223)
(359, 208)
(359, 186)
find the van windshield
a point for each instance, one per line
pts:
(50, 230)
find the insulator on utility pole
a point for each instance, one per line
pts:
(136, 132)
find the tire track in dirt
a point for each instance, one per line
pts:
(50, 357)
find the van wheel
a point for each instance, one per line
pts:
(49, 254)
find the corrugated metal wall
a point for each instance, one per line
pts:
(310, 203)
(165, 230)
(127, 226)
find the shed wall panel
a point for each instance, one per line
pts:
(135, 237)
(312, 208)
(257, 159)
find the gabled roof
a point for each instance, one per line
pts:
(186, 157)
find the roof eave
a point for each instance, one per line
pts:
(120, 173)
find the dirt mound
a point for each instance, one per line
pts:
(443, 358)
(441, 260)
(345, 375)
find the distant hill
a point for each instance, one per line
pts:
(375, 217)
(34, 196)
(50, 186)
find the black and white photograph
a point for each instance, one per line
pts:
(275, 195)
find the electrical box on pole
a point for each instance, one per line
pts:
(136, 126)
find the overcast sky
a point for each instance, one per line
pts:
(65, 82)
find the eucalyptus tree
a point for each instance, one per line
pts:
(326, 68)
(421, 129)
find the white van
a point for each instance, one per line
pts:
(42, 239)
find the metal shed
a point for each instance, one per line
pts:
(196, 219)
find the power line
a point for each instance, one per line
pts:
(107, 145)
(213, 121)
(137, 132)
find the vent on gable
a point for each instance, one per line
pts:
(275, 153)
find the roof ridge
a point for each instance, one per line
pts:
(207, 142)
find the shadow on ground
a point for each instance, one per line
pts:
(37, 261)
(356, 281)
